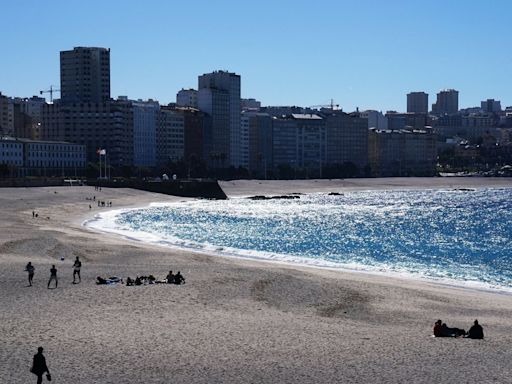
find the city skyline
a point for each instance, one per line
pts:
(284, 55)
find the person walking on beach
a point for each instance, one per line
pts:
(39, 367)
(53, 276)
(30, 269)
(76, 270)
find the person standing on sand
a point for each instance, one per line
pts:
(76, 270)
(39, 367)
(30, 269)
(53, 276)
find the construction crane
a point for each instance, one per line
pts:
(331, 106)
(50, 91)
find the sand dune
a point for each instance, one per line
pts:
(235, 321)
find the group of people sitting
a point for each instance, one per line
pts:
(175, 279)
(442, 330)
(171, 278)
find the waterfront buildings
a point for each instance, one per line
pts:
(417, 102)
(219, 97)
(85, 75)
(86, 114)
(405, 152)
(346, 138)
(170, 136)
(145, 115)
(107, 125)
(27, 157)
(260, 142)
(300, 142)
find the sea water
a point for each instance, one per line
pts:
(461, 236)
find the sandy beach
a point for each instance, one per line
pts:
(235, 320)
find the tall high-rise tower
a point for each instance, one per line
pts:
(417, 102)
(447, 102)
(85, 75)
(219, 96)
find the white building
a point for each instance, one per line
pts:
(376, 119)
(186, 98)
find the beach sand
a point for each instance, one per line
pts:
(235, 320)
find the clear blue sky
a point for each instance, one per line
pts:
(361, 53)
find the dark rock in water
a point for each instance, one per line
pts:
(260, 197)
(464, 189)
(285, 197)
(335, 194)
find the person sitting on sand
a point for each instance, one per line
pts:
(438, 331)
(30, 269)
(138, 281)
(476, 331)
(179, 279)
(129, 282)
(170, 278)
(451, 332)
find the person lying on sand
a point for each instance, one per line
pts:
(451, 332)
(108, 281)
(442, 330)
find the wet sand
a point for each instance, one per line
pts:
(235, 320)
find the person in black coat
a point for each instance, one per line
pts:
(39, 367)
(476, 331)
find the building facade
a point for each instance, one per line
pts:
(6, 116)
(347, 138)
(42, 158)
(404, 152)
(144, 132)
(447, 102)
(219, 96)
(417, 102)
(186, 98)
(491, 106)
(107, 125)
(170, 136)
(85, 75)
(299, 142)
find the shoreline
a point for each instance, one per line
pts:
(292, 261)
(235, 320)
